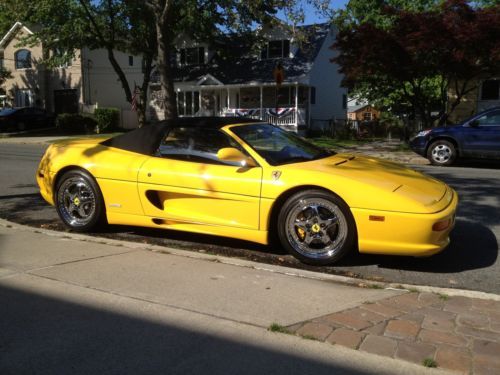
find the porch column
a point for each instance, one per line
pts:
(228, 99)
(201, 110)
(261, 102)
(308, 107)
(297, 105)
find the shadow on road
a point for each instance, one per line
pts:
(478, 163)
(473, 245)
(45, 335)
(465, 252)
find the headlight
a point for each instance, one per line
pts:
(423, 133)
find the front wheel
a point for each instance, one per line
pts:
(442, 153)
(316, 227)
(79, 201)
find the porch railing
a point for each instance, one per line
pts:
(286, 116)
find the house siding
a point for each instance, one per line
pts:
(324, 76)
(467, 106)
(41, 81)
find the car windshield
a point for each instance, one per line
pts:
(278, 146)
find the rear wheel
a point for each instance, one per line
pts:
(79, 201)
(442, 152)
(316, 227)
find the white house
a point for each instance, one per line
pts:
(230, 79)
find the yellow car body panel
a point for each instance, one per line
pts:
(238, 202)
(203, 193)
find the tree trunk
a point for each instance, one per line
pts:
(141, 113)
(164, 68)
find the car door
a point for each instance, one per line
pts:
(186, 182)
(481, 136)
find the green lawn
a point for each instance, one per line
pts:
(327, 142)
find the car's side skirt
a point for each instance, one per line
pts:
(252, 235)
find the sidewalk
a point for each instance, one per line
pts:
(94, 305)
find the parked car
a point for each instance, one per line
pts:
(476, 137)
(25, 118)
(248, 180)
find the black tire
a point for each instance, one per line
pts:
(316, 227)
(79, 201)
(442, 152)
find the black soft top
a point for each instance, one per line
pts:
(146, 140)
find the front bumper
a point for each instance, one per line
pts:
(404, 233)
(418, 145)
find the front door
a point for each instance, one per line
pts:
(65, 101)
(186, 182)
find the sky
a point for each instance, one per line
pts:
(313, 17)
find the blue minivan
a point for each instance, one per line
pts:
(476, 137)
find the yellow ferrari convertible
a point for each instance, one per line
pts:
(249, 180)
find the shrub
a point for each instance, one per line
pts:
(108, 119)
(75, 123)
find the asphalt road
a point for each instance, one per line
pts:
(470, 262)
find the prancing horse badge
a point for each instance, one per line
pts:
(276, 175)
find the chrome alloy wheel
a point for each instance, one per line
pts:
(316, 228)
(77, 201)
(441, 153)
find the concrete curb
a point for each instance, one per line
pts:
(258, 266)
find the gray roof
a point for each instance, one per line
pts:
(243, 69)
(356, 108)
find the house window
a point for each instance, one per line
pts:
(23, 59)
(192, 56)
(131, 61)
(63, 58)
(490, 90)
(250, 98)
(276, 49)
(24, 98)
(188, 103)
(367, 116)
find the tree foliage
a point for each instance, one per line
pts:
(409, 59)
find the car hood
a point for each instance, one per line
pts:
(384, 185)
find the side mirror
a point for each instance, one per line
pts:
(474, 123)
(232, 154)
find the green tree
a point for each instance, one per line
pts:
(10, 12)
(68, 25)
(4, 75)
(408, 60)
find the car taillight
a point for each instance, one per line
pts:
(441, 225)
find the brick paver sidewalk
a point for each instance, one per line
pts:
(456, 333)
